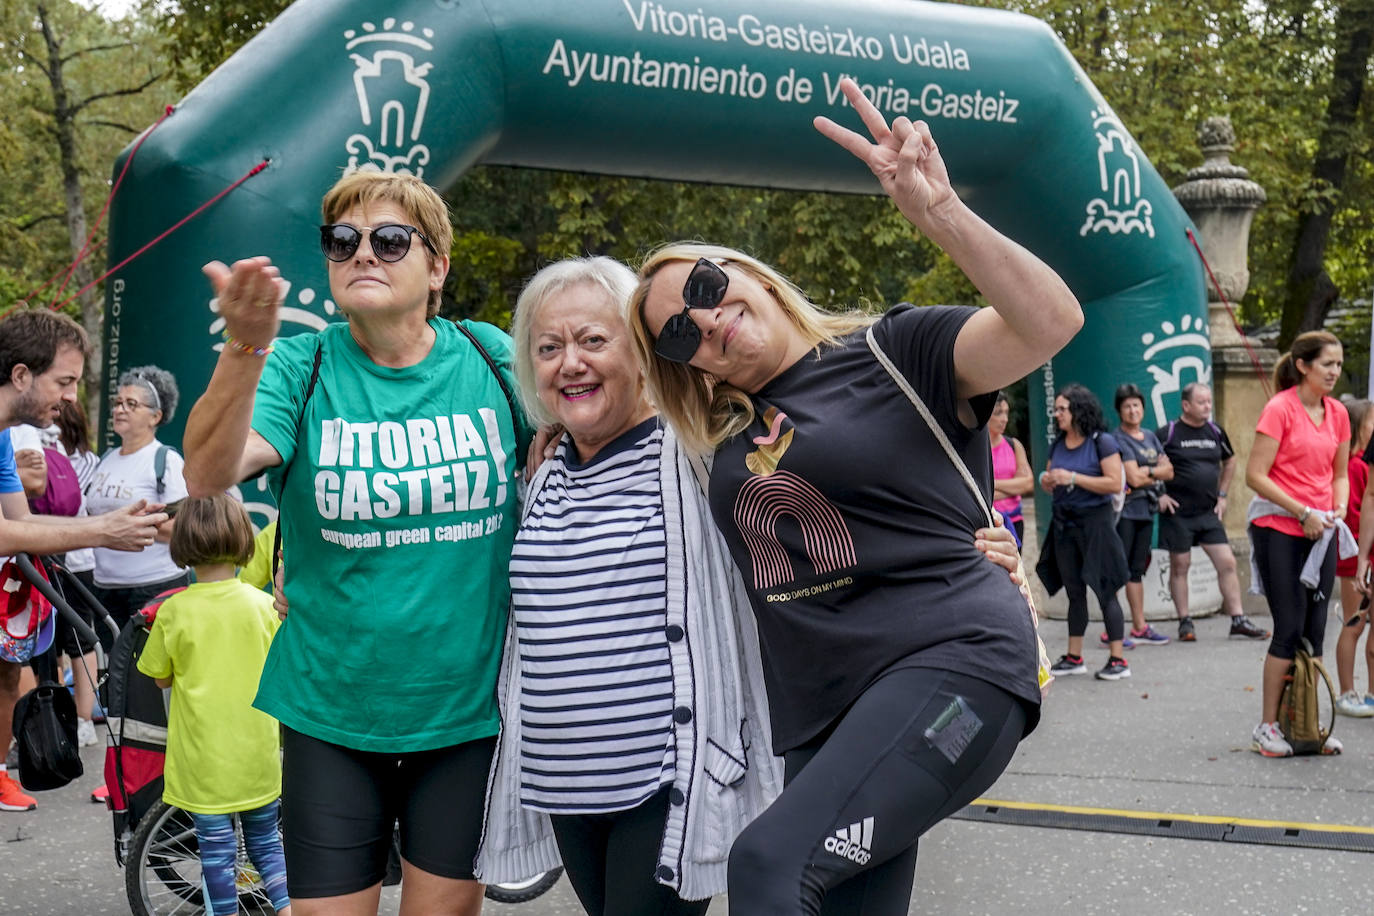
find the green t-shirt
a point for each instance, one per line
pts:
(222, 754)
(398, 515)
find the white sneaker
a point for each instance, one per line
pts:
(1269, 741)
(86, 737)
(1332, 745)
(1351, 703)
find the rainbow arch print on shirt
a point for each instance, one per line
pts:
(764, 501)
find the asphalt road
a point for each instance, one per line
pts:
(1173, 739)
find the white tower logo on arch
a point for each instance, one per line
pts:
(1121, 208)
(1176, 355)
(393, 96)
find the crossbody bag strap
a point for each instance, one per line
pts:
(309, 390)
(702, 472)
(491, 364)
(926, 415)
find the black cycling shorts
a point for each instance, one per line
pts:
(1180, 533)
(340, 807)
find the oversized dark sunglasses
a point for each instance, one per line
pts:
(705, 288)
(390, 241)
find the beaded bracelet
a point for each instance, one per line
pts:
(235, 344)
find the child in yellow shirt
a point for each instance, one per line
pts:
(208, 643)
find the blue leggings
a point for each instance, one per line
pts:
(219, 853)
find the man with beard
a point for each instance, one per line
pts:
(42, 357)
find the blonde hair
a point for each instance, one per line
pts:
(704, 410)
(421, 204)
(1307, 347)
(212, 529)
(606, 274)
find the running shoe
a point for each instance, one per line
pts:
(1068, 664)
(85, 732)
(1242, 628)
(1149, 637)
(100, 795)
(1186, 631)
(1114, 670)
(1352, 704)
(1332, 746)
(1269, 741)
(1369, 700)
(12, 798)
(1126, 641)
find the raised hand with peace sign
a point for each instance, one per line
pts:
(1033, 312)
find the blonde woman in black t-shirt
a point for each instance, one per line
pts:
(900, 665)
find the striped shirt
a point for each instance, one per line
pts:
(590, 603)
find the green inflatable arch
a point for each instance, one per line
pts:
(720, 91)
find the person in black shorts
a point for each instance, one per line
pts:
(1146, 468)
(900, 666)
(1191, 508)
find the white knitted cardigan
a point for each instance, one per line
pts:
(726, 773)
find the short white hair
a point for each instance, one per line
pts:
(604, 273)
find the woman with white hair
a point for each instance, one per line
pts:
(140, 468)
(634, 741)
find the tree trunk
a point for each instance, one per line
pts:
(1310, 290)
(92, 304)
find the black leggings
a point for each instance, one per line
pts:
(918, 745)
(1297, 610)
(611, 859)
(340, 807)
(1070, 548)
(1135, 541)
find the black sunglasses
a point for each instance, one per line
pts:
(705, 288)
(390, 241)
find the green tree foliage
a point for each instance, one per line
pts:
(1164, 66)
(842, 249)
(202, 35)
(75, 86)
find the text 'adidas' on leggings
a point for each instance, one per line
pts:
(1298, 611)
(918, 745)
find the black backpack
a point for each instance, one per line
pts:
(45, 727)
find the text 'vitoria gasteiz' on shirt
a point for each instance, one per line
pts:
(449, 463)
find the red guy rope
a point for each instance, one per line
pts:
(169, 230)
(87, 248)
(1254, 358)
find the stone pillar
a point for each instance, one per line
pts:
(1221, 200)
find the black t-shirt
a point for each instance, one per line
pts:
(1196, 453)
(854, 532)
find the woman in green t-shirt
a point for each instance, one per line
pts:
(390, 446)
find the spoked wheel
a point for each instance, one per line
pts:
(524, 891)
(162, 872)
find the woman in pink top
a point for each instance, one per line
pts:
(1011, 472)
(1297, 469)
